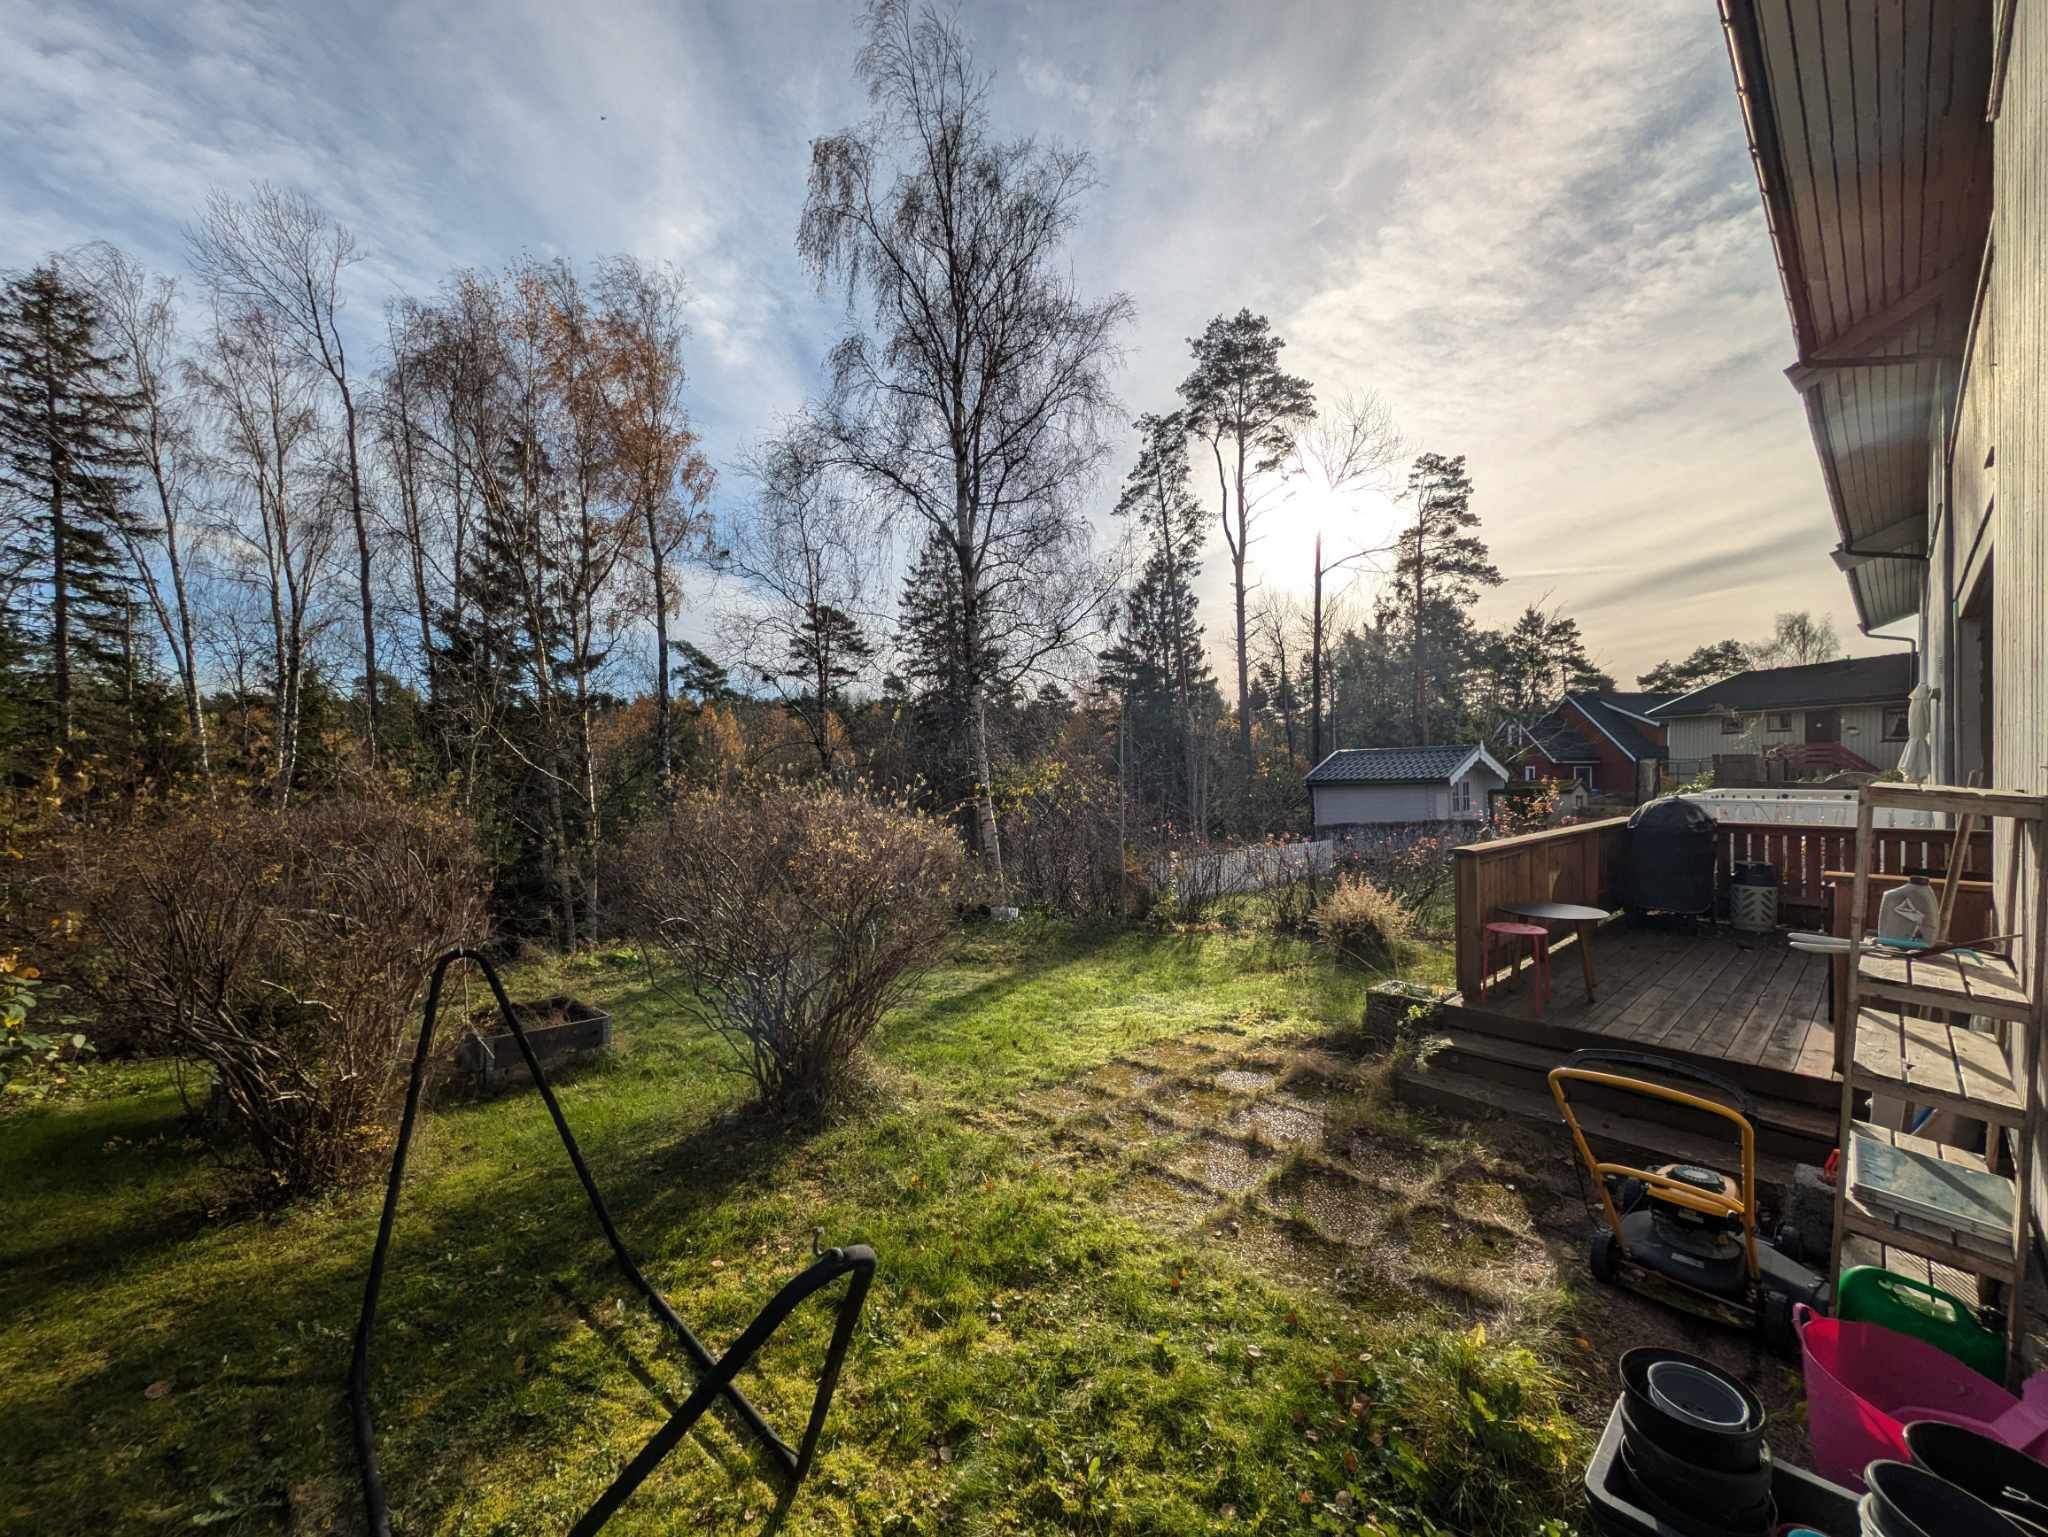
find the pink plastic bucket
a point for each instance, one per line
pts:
(1860, 1375)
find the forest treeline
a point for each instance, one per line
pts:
(262, 536)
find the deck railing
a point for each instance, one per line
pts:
(1804, 855)
(1559, 864)
(1577, 864)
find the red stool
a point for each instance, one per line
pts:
(1512, 934)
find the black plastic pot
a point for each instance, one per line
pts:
(1705, 1400)
(1999, 1475)
(1736, 1451)
(1703, 1497)
(1906, 1501)
(1618, 1508)
(1694, 1517)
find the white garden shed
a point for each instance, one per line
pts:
(1382, 786)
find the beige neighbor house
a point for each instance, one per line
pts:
(1829, 716)
(1902, 154)
(1402, 786)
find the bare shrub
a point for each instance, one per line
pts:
(796, 917)
(1363, 924)
(282, 949)
(1062, 850)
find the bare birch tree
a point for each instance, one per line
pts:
(1349, 449)
(262, 395)
(139, 313)
(807, 554)
(972, 396)
(280, 252)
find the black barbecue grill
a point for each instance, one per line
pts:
(1668, 866)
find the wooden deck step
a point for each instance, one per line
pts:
(1788, 1077)
(1614, 1136)
(1784, 1128)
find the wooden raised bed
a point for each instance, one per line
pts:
(559, 1029)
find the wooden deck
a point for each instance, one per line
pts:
(1750, 1005)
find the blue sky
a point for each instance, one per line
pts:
(1533, 230)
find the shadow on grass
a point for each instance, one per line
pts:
(450, 1389)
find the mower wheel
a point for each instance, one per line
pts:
(1602, 1255)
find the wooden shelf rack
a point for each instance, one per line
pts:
(1914, 1039)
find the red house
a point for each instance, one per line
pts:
(1607, 742)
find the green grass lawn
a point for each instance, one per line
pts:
(1033, 1357)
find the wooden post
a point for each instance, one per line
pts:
(1958, 856)
(1845, 1038)
(1471, 920)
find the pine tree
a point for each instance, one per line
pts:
(826, 652)
(1249, 409)
(699, 680)
(65, 416)
(1437, 577)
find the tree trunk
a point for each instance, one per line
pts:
(1415, 639)
(1244, 687)
(664, 751)
(1315, 663)
(195, 717)
(60, 601)
(355, 507)
(985, 799)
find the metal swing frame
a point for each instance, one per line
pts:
(717, 1373)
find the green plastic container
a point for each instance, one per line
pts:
(1872, 1295)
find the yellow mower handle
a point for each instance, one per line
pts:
(1704, 1201)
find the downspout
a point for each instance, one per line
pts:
(1945, 710)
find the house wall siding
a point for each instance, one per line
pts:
(1343, 805)
(2019, 520)
(1995, 519)
(1349, 805)
(1698, 737)
(1615, 772)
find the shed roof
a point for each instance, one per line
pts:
(1867, 131)
(1854, 680)
(1558, 736)
(1635, 703)
(1622, 728)
(1398, 765)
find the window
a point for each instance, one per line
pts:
(1529, 774)
(1731, 724)
(1781, 720)
(1583, 773)
(1461, 795)
(1895, 725)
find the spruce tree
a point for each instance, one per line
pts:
(65, 414)
(943, 666)
(1157, 662)
(1441, 567)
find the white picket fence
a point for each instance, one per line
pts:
(1237, 870)
(1260, 865)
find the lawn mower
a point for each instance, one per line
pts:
(1683, 1234)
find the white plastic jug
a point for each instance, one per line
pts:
(1908, 912)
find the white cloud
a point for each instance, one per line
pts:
(1533, 229)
